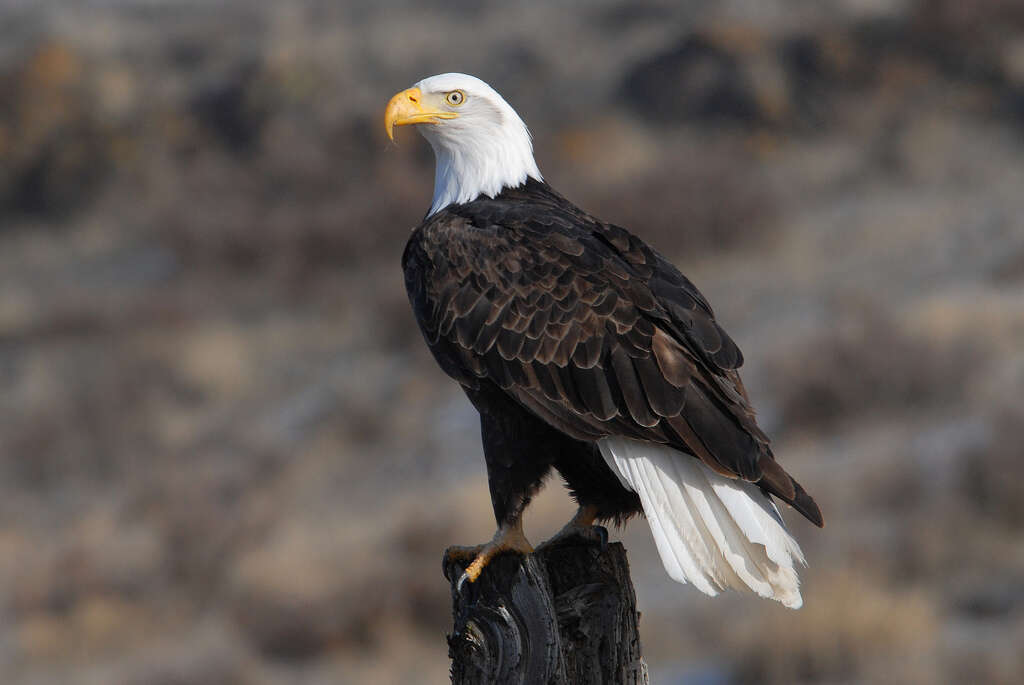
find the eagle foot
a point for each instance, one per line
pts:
(580, 527)
(508, 538)
(574, 534)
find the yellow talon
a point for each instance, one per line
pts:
(474, 570)
(508, 538)
(580, 526)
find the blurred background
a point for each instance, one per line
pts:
(226, 455)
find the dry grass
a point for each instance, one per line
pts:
(227, 456)
(855, 631)
(870, 363)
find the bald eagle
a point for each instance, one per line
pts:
(585, 350)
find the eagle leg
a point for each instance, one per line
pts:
(508, 538)
(580, 526)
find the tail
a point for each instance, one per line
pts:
(711, 531)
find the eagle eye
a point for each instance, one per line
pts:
(456, 98)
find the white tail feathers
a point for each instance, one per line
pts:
(710, 530)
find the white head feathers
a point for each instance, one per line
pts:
(486, 148)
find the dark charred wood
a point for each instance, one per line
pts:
(564, 615)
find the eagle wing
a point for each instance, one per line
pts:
(592, 330)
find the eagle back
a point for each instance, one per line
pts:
(582, 323)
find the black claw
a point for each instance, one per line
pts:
(446, 566)
(462, 579)
(602, 533)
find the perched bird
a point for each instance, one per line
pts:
(585, 350)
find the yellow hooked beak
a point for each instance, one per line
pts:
(407, 108)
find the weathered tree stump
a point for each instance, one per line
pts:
(564, 615)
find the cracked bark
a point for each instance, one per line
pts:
(564, 615)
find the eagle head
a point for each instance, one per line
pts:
(480, 144)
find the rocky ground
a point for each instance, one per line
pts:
(227, 457)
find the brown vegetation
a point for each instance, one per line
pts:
(227, 457)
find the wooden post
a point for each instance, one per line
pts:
(564, 615)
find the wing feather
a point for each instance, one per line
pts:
(592, 330)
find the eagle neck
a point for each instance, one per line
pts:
(483, 166)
